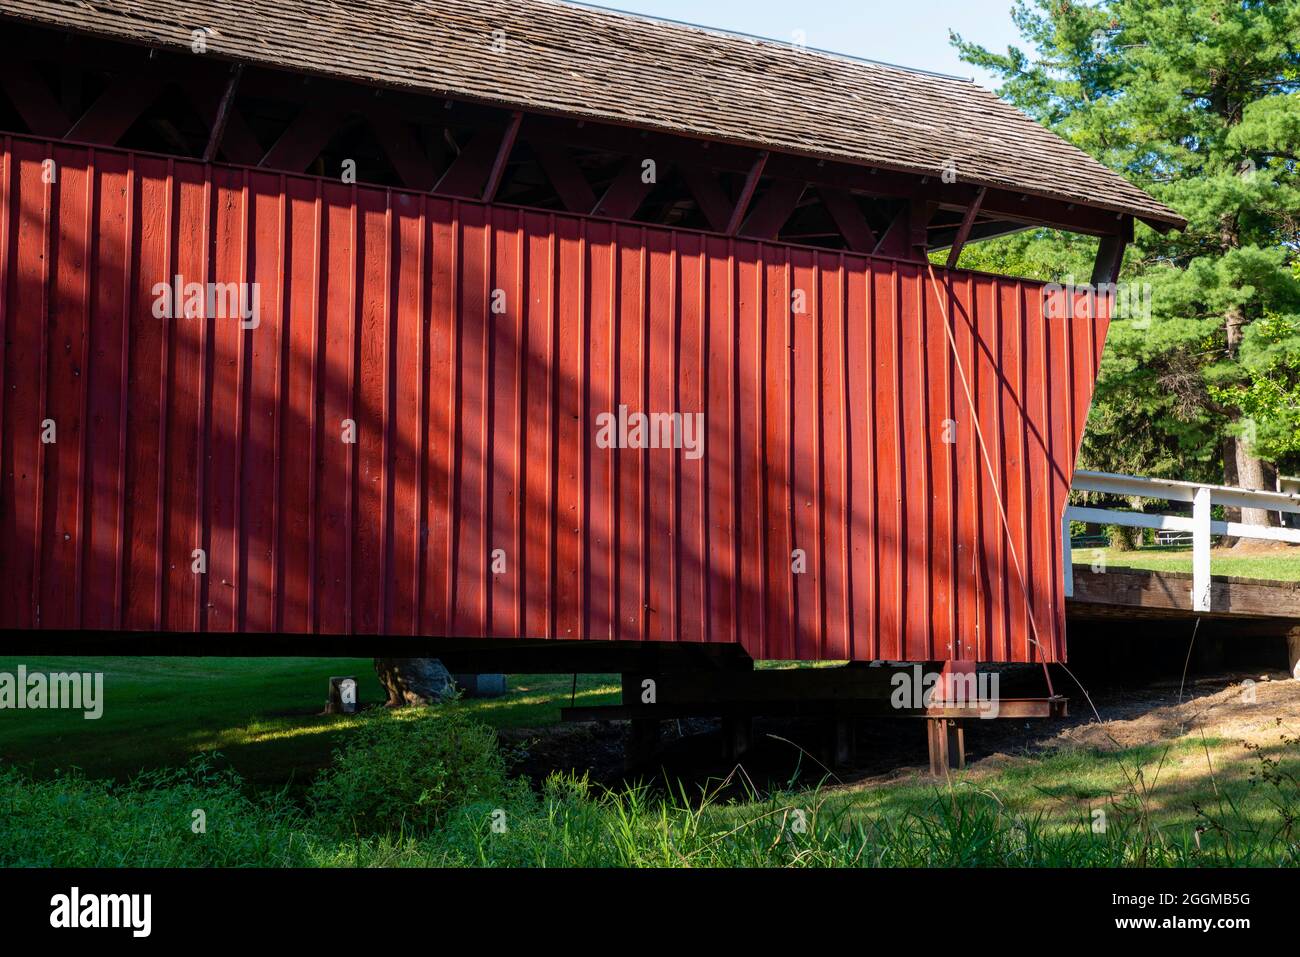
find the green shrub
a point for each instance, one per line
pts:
(403, 771)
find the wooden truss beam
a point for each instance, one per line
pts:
(468, 173)
(566, 179)
(222, 118)
(709, 196)
(502, 157)
(997, 203)
(920, 214)
(746, 193)
(772, 211)
(963, 231)
(906, 237)
(117, 108)
(409, 161)
(943, 237)
(237, 142)
(303, 139)
(893, 241)
(628, 190)
(853, 226)
(33, 99)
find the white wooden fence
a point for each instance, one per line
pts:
(1201, 525)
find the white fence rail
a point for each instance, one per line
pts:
(1200, 525)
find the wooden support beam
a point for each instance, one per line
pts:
(303, 139)
(567, 180)
(737, 736)
(709, 196)
(409, 161)
(628, 191)
(119, 106)
(33, 99)
(843, 743)
(1110, 254)
(963, 231)
(721, 157)
(468, 172)
(947, 745)
(642, 744)
(866, 180)
(238, 144)
(906, 237)
(853, 226)
(70, 75)
(502, 157)
(1150, 595)
(223, 113)
(918, 225)
(747, 193)
(893, 241)
(773, 210)
(987, 229)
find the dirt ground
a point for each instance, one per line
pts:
(1247, 546)
(1240, 708)
(788, 752)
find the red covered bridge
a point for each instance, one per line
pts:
(309, 325)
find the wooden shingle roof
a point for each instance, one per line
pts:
(576, 61)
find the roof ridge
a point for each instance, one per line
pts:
(769, 41)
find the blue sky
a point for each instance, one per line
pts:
(907, 32)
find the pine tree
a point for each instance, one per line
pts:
(1199, 102)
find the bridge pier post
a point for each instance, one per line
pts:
(642, 744)
(947, 745)
(737, 736)
(1293, 653)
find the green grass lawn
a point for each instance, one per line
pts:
(263, 714)
(1184, 800)
(1178, 558)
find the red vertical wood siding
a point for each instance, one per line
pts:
(473, 348)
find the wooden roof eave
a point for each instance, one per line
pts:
(1047, 209)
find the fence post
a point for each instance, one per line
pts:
(1201, 550)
